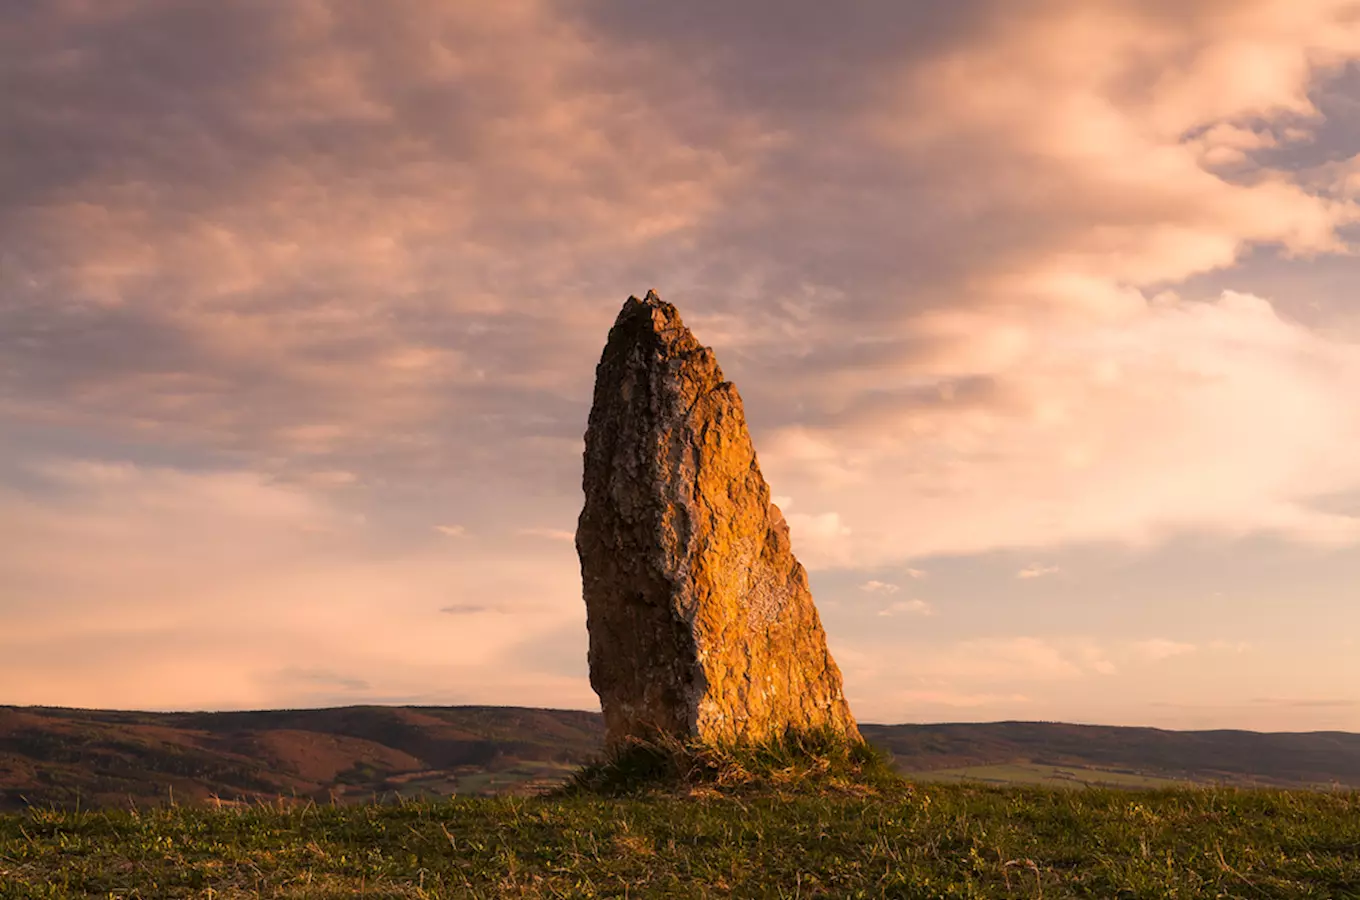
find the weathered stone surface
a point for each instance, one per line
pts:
(701, 622)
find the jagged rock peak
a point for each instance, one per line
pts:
(701, 621)
(654, 322)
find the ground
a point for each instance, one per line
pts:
(924, 840)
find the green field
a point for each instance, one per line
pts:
(1049, 776)
(923, 841)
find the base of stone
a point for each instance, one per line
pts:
(799, 762)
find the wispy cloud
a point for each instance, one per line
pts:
(878, 587)
(1023, 657)
(907, 607)
(1306, 702)
(1157, 649)
(470, 609)
(320, 678)
(820, 539)
(1037, 571)
(451, 530)
(331, 478)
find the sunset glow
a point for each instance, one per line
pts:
(1043, 314)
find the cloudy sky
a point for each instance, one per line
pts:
(1043, 313)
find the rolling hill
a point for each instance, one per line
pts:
(1105, 754)
(94, 758)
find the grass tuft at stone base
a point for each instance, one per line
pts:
(799, 762)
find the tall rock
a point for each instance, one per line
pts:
(701, 622)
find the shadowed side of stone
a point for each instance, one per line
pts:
(701, 621)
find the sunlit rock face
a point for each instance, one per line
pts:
(701, 621)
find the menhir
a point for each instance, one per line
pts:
(701, 622)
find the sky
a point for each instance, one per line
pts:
(1042, 313)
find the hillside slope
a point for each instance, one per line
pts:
(1281, 759)
(102, 758)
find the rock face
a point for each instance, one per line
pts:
(701, 622)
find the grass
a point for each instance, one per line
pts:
(1074, 777)
(923, 841)
(816, 761)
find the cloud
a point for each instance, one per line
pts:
(1074, 274)
(470, 609)
(1307, 702)
(987, 664)
(907, 607)
(1157, 649)
(125, 585)
(306, 254)
(1035, 570)
(878, 587)
(1250, 413)
(818, 538)
(1022, 657)
(1063, 676)
(1091, 654)
(331, 478)
(322, 248)
(451, 530)
(309, 276)
(320, 678)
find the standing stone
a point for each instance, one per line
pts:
(701, 622)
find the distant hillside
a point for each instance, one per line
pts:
(1304, 759)
(99, 758)
(56, 756)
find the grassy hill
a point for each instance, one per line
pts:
(932, 841)
(1122, 756)
(98, 758)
